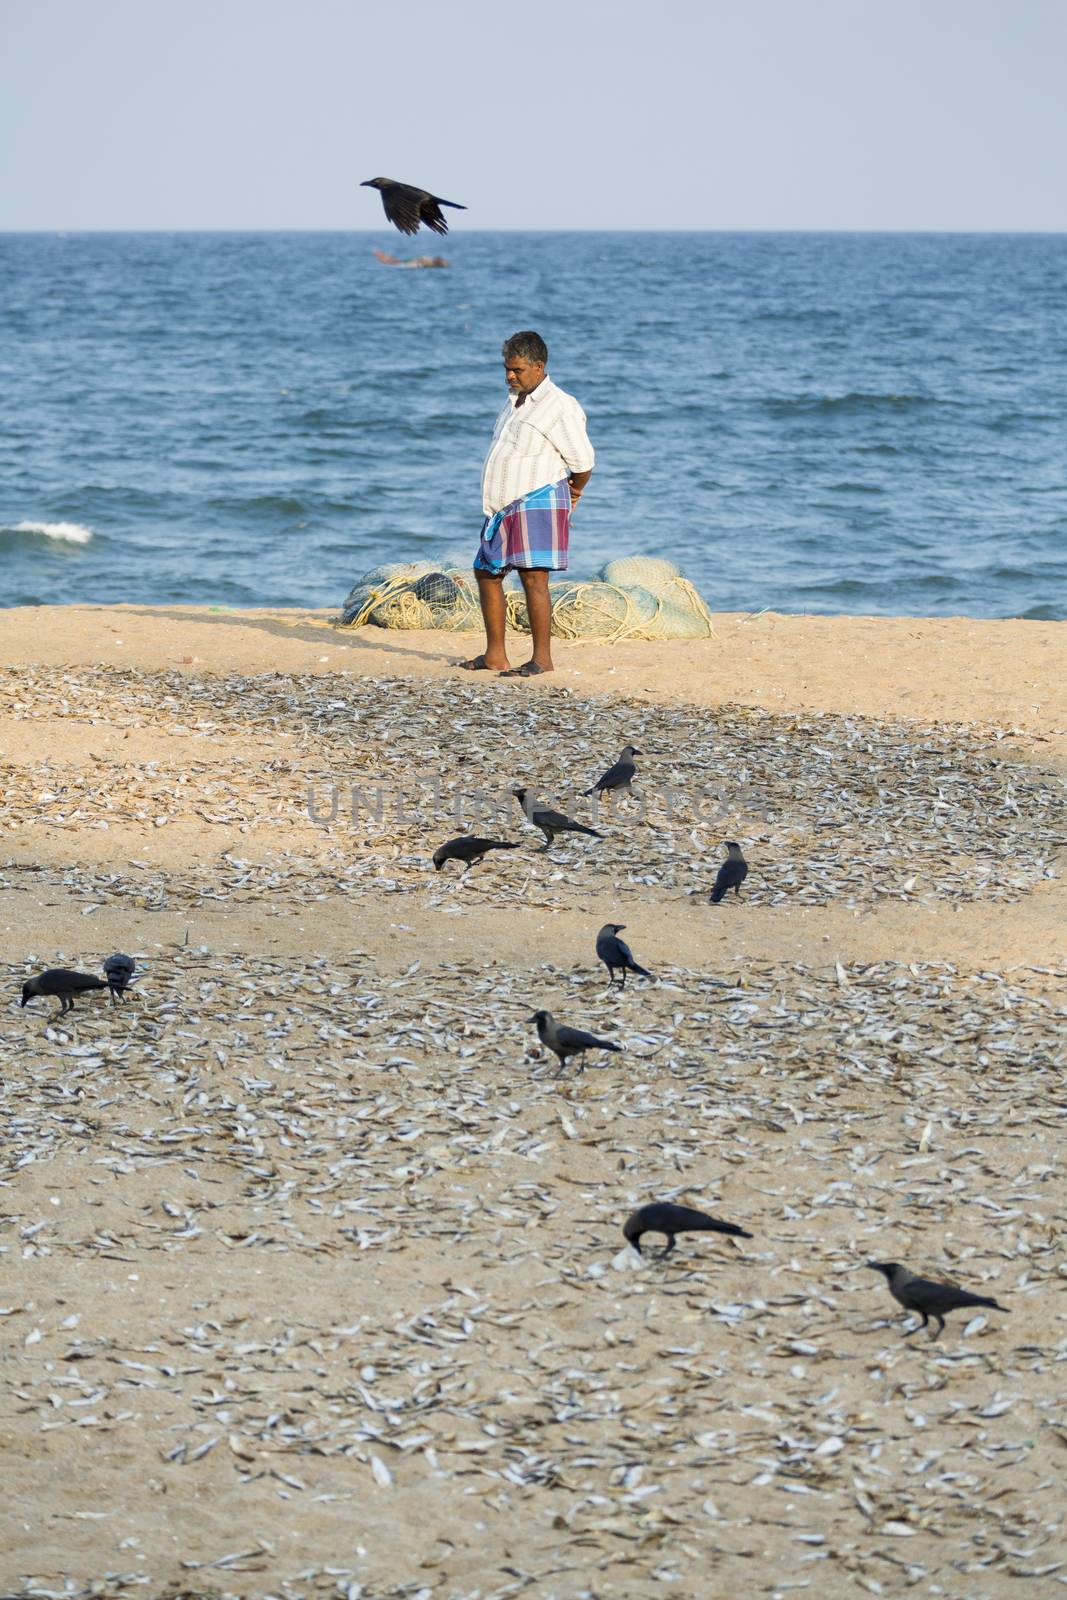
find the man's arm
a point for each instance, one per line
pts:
(578, 481)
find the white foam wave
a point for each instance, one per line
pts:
(70, 532)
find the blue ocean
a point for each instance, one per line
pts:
(807, 422)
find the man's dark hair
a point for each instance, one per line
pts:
(526, 346)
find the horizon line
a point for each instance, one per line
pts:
(964, 233)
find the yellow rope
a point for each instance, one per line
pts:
(394, 590)
(394, 604)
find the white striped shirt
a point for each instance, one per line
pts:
(534, 444)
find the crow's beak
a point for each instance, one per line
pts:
(533, 1018)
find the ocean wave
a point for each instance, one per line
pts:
(66, 532)
(848, 404)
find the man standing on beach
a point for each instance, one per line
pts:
(538, 464)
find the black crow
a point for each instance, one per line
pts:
(551, 822)
(564, 1041)
(119, 970)
(663, 1217)
(731, 874)
(405, 206)
(468, 850)
(619, 777)
(63, 984)
(928, 1298)
(615, 952)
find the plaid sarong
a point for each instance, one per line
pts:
(532, 531)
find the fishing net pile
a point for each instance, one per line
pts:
(635, 597)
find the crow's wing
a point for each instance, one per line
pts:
(452, 850)
(663, 1216)
(552, 819)
(680, 1217)
(430, 211)
(723, 880)
(403, 205)
(622, 772)
(575, 1038)
(65, 978)
(431, 214)
(925, 1295)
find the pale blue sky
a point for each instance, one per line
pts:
(859, 114)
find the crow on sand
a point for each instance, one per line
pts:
(731, 875)
(564, 1041)
(661, 1216)
(616, 953)
(63, 984)
(551, 822)
(468, 849)
(119, 970)
(618, 778)
(928, 1298)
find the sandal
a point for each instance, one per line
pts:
(529, 669)
(477, 664)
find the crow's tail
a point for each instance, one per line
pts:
(731, 1228)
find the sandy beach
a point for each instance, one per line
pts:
(314, 1278)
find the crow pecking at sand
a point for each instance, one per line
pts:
(119, 970)
(467, 849)
(63, 984)
(661, 1216)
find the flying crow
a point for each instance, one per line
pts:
(406, 207)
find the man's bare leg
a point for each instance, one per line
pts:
(539, 611)
(494, 615)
